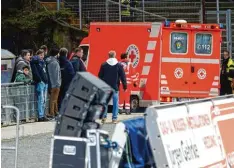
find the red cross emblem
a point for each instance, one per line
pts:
(132, 56)
(178, 73)
(201, 73)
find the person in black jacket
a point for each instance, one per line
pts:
(112, 72)
(77, 62)
(41, 80)
(67, 73)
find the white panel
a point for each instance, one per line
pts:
(117, 154)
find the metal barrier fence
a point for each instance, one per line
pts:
(24, 98)
(225, 17)
(86, 11)
(143, 10)
(15, 148)
(113, 10)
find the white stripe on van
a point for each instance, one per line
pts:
(149, 57)
(176, 60)
(205, 61)
(163, 76)
(199, 92)
(151, 45)
(215, 84)
(164, 82)
(190, 60)
(155, 30)
(145, 70)
(216, 78)
(179, 91)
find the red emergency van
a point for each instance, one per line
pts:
(172, 61)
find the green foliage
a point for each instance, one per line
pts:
(33, 20)
(27, 24)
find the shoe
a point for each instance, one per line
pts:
(128, 112)
(114, 121)
(121, 111)
(103, 120)
(41, 119)
(46, 119)
(49, 116)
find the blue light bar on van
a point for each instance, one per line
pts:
(221, 26)
(167, 23)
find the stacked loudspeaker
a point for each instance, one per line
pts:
(85, 102)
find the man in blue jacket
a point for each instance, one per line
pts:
(67, 73)
(41, 80)
(77, 62)
(112, 72)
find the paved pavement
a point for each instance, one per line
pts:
(30, 129)
(34, 144)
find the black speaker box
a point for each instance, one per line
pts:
(88, 87)
(74, 107)
(67, 126)
(69, 152)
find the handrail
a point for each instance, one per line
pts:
(17, 133)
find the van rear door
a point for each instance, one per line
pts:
(175, 63)
(205, 63)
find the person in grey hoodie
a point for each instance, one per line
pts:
(22, 61)
(54, 76)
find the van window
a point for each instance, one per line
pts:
(179, 43)
(203, 44)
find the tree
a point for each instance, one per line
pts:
(27, 24)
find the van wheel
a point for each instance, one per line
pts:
(134, 104)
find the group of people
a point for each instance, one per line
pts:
(52, 73)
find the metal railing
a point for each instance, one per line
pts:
(87, 11)
(22, 96)
(15, 148)
(225, 17)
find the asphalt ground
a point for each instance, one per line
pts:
(34, 151)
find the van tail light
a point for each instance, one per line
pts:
(165, 99)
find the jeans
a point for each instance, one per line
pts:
(115, 109)
(42, 96)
